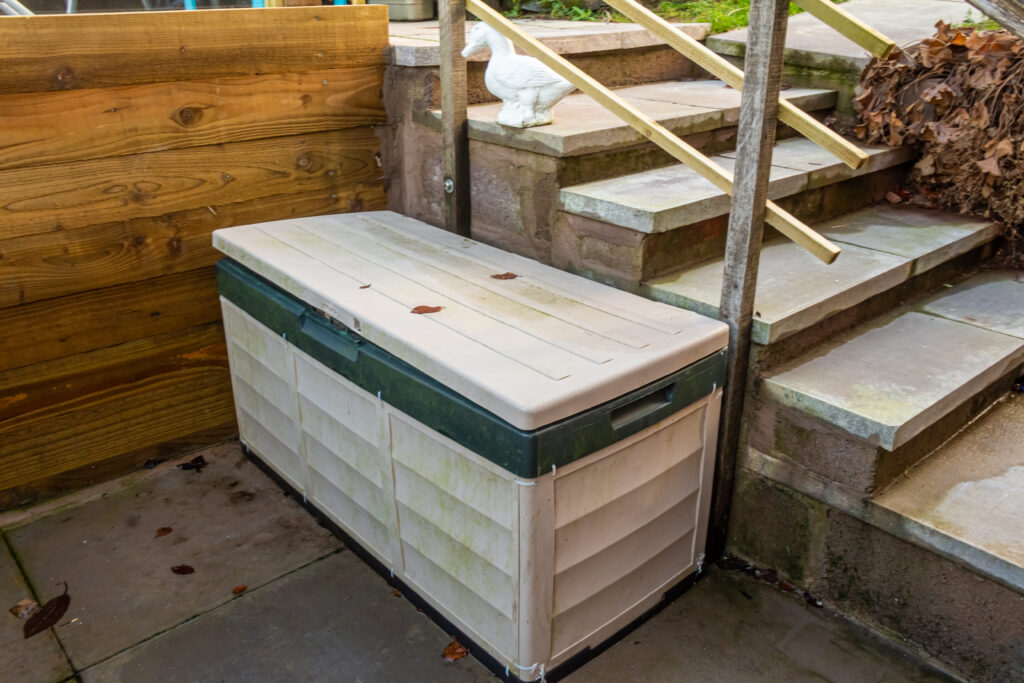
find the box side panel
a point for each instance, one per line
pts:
(458, 519)
(625, 523)
(349, 464)
(263, 383)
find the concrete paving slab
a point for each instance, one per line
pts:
(230, 523)
(582, 125)
(794, 289)
(971, 491)
(891, 381)
(418, 43)
(991, 300)
(667, 198)
(812, 43)
(38, 659)
(730, 627)
(332, 620)
(927, 236)
(664, 198)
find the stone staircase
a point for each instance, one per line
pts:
(882, 465)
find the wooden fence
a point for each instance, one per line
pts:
(125, 139)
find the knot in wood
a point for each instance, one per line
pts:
(189, 116)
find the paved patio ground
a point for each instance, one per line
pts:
(311, 610)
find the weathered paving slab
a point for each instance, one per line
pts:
(667, 198)
(811, 43)
(927, 236)
(332, 620)
(794, 289)
(37, 659)
(418, 43)
(730, 627)
(972, 491)
(582, 125)
(230, 523)
(893, 380)
(991, 300)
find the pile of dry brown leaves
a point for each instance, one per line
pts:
(961, 95)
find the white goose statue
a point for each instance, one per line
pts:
(527, 88)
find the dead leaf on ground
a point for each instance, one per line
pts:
(163, 531)
(197, 463)
(893, 198)
(238, 589)
(182, 569)
(48, 615)
(420, 310)
(505, 276)
(454, 651)
(24, 608)
(395, 593)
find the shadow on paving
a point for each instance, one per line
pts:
(313, 611)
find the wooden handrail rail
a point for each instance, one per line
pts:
(778, 218)
(790, 114)
(850, 26)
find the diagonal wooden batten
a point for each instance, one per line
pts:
(848, 25)
(781, 220)
(790, 114)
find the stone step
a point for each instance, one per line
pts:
(582, 126)
(675, 196)
(862, 408)
(966, 500)
(883, 246)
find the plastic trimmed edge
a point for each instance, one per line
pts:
(526, 454)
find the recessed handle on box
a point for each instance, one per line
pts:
(641, 408)
(322, 331)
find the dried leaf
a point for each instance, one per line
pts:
(163, 531)
(364, 287)
(420, 310)
(990, 166)
(505, 276)
(238, 589)
(454, 651)
(395, 593)
(48, 615)
(182, 569)
(786, 586)
(197, 463)
(24, 608)
(893, 198)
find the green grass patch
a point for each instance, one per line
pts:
(981, 22)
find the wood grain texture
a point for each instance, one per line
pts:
(58, 127)
(63, 52)
(106, 317)
(53, 264)
(83, 476)
(67, 413)
(454, 117)
(42, 199)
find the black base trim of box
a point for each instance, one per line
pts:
(490, 663)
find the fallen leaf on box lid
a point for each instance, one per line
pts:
(505, 276)
(454, 651)
(420, 310)
(24, 608)
(238, 589)
(163, 531)
(182, 569)
(48, 615)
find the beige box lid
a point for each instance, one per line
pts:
(533, 349)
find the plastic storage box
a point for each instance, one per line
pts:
(534, 457)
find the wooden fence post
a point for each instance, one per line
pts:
(756, 138)
(454, 122)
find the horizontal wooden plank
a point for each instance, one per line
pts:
(53, 264)
(50, 486)
(57, 127)
(95, 406)
(42, 199)
(63, 52)
(105, 317)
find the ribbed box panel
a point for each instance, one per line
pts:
(533, 570)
